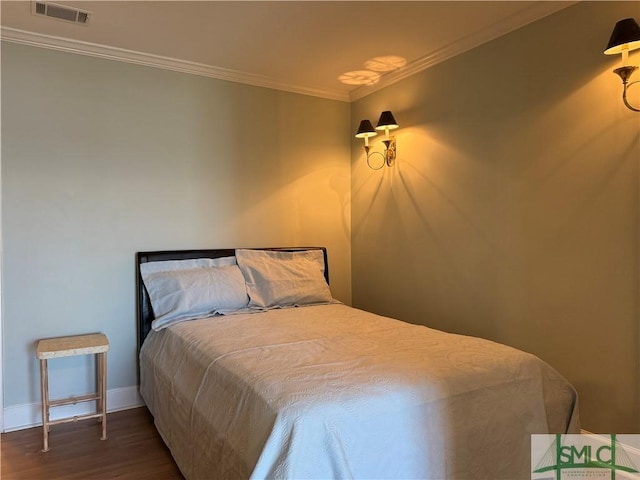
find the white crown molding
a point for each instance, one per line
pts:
(473, 40)
(18, 417)
(24, 37)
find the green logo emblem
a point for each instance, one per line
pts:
(563, 454)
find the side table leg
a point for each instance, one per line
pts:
(44, 387)
(103, 392)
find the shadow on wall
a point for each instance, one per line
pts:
(488, 207)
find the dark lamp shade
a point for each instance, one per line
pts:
(626, 32)
(365, 130)
(387, 121)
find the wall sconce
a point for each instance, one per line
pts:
(625, 37)
(366, 130)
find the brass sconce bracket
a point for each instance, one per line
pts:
(625, 73)
(388, 156)
(390, 150)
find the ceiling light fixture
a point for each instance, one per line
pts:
(366, 130)
(625, 38)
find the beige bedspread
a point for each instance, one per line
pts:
(334, 392)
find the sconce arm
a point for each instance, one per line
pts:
(388, 156)
(625, 73)
(369, 155)
(624, 95)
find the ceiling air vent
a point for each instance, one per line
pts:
(61, 12)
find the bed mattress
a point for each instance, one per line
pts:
(330, 391)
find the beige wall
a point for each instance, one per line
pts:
(102, 159)
(512, 212)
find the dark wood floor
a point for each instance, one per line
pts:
(134, 450)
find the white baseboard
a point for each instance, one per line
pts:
(18, 417)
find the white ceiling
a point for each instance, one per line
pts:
(300, 46)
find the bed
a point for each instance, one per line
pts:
(298, 385)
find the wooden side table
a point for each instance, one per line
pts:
(97, 344)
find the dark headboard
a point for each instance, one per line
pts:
(144, 312)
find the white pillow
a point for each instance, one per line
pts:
(280, 279)
(170, 265)
(178, 295)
